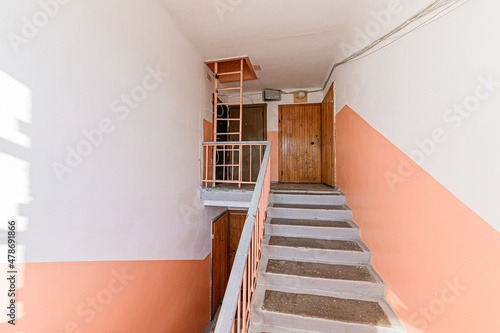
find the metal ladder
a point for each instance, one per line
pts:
(217, 136)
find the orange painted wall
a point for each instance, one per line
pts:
(129, 296)
(208, 131)
(440, 260)
(208, 134)
(273, 136)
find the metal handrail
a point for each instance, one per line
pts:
(232, 294)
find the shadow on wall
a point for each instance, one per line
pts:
(108, 109)
(66, 297)
(15, 194)
(86, 100)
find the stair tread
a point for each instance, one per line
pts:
(309, 206)
(311, 223)
(320, 270)
(313, 243)
(326, 307)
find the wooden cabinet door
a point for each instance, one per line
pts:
(300, 143)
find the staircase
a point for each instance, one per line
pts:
(315, 273)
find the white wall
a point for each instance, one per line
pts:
(273, 107)
(408, 91)
(135, 195)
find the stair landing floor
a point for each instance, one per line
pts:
(302, 187)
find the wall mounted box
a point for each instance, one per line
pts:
(271, 95)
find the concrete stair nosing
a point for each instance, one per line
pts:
(335, 190)
(302, 253)
(283, 322)
(313, 231)
(302, 198)
(376, 287)
(309, 213)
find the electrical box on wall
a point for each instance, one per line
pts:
(271, 95)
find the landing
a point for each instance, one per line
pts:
(230, 195)
(286, 187)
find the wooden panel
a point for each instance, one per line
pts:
(233, 65)
(220, 270)
(236, 223)
(328, 139)
(300, 143)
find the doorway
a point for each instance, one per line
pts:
(226, 233)
(299, 139)
(220, 262)
(254, 128)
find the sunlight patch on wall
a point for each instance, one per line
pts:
(15, 103)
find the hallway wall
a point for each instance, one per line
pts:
(102, 109)
(417, 156)
(434, 253)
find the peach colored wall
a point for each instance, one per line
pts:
(114, 296)
(208, 131)
(273, 136)
(438, 258)
(208, 135)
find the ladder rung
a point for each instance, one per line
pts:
(231, 103)
(237, 133)
(229, 119)
(229, 73)
(234, 88)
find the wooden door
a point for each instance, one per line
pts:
(300, 143)
(254, 128)
(328, 139)
(236, 224)
(220, 249)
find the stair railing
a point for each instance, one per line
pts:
(234, 315)
(232, 162)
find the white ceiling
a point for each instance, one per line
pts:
(295, 42)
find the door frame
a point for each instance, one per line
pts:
(280, 155)
(328, 178)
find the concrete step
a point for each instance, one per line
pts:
(331, 229)
(327, 250)
(314, 275)
(326, 198)
(303, 188)
(308, 211)
(285, 310)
